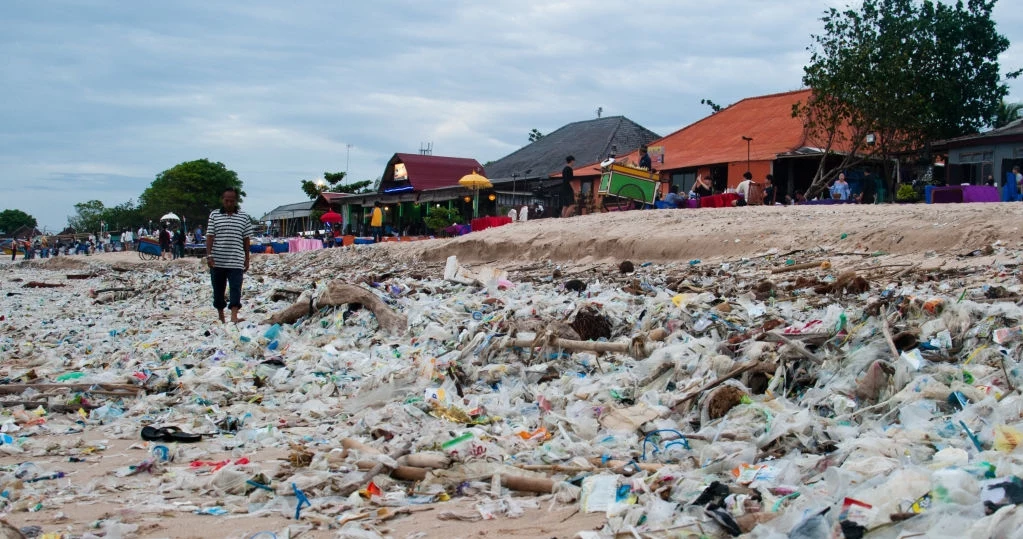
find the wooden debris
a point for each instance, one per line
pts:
(336, 294)
(797, 267)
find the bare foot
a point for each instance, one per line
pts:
(237, 320)
(220, 315)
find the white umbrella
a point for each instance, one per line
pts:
(170, 217)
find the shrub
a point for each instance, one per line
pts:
(906, 193)
(441, 218)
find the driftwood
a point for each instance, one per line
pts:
(336, 294)
(51, 408)
(638, 348)
(796, 267)
(38, 284)
(109, 389)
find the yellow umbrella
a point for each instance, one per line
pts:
(475, 182)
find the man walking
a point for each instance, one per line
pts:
(227, 252)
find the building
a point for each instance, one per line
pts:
(758, 134)
(528, 175)
(290, 219)
(973, 158)
(411, 186)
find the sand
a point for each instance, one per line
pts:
(930, 235)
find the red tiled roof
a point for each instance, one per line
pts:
(431, 171)
(717, 138)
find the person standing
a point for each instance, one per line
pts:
(14, 249)
(165, 242)
(179, 242)
(840, 189)
(644, 158)
(376, 222)
(228, 234)
(770, 195)
(567, 195)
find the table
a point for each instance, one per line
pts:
(963, 193)
(296, 245)
(483, 223)
(724, 200)
(826, 202)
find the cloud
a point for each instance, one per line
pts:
(100, 97)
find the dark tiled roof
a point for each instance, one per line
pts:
(430, 171)
(1013, 130)
(587, 141)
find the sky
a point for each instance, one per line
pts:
(98, 97)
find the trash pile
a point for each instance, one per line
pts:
(802, 394)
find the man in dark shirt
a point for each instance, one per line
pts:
(566, 197)
(770, 195)
(644, 159)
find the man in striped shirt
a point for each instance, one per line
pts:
(227, 252)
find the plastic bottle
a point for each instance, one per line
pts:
(272, 332)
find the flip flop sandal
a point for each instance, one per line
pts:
(169, 434)
(174, 434)
(152, 434)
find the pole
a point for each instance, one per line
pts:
(348, 151)
(748, 140)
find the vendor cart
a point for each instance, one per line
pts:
(625, 188)
(149, 249)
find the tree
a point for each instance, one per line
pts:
(1006, 113)
(903, 71)
(191, 189)
(332, 184)
(123, 216)
(713, 106)
(535, 135)
(88, 216)
(11, 220)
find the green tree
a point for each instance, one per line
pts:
(903, 71)
(126, 215)
(191, 190)
(10, 220)
(535, 135)
(1006, 113)
(332, 183)
(87, 217)
(713, 106)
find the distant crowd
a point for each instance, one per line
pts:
(172, 243)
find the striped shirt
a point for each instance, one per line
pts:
(228, 231)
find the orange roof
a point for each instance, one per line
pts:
(718, 138)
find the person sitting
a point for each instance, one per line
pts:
(702, 187)
(743, 189)
(673, 199)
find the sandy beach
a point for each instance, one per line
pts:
(161, 337)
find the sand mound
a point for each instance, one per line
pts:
(664, 235)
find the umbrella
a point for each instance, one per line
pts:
(331, 217)
(170, 217)
(475, 182)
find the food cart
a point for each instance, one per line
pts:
(624, 188)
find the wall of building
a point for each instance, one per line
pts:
(759, 169)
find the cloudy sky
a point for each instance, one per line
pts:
(100, 96)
